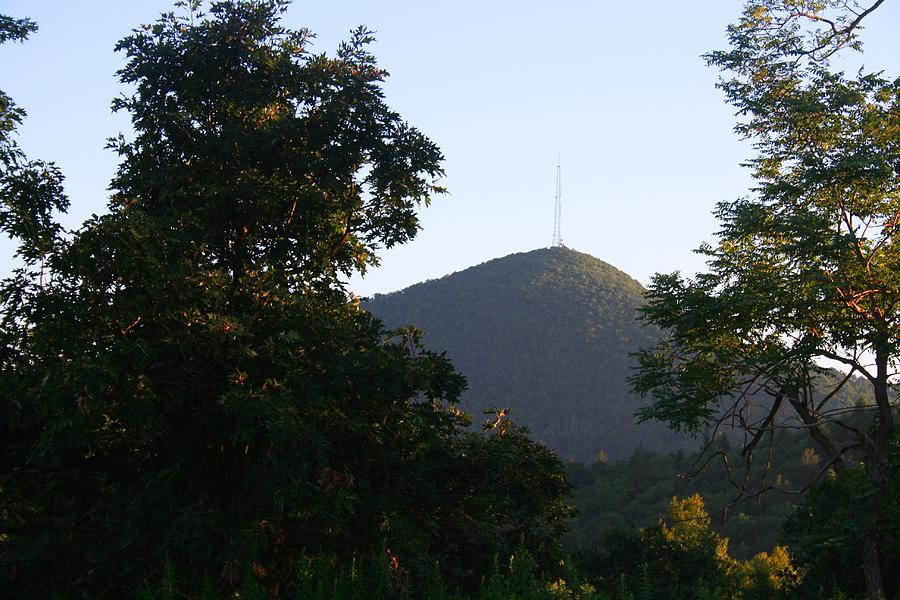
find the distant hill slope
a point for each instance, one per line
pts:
(547, 333)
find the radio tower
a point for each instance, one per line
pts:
(557, 213)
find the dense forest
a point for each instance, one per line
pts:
(195, 406)
(548, 334)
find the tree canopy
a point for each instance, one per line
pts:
(188, 388)
(807, 268)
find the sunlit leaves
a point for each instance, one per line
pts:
(805, 269)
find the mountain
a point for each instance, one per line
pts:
(548, 334)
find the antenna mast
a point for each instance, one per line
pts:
(557, 213)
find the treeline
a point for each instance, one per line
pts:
(814, 535)
(633, 493)
(644, 529)
(682, 557)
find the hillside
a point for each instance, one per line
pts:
(547, 333)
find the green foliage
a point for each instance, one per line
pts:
(632, 493)
(316, 578)
(826, 530)
(378, 578)
(30, 191)
(325, 172)
(805, 269)
(521, 493)
(769, 575)
(682, 557)
(820, 531)
(16, 30)
(521, 580)
(685, 552)
(547, 333)
(192, 403)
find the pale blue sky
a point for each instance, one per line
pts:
(618, 90)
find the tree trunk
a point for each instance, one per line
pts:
(876, 465)
(872, 567)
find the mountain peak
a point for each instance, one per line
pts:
(547, 333)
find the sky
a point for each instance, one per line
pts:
(617, 92)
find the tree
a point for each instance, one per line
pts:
(685, 553)
(805, 270)
(682, 556)
(825, 532)
(188, 389)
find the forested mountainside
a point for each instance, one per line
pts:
(548, 334)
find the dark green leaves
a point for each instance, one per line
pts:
(15, 29)
(274, 156)
(30, 191)
(185, 380)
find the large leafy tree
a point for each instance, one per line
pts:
(186, 382)
(807, 268)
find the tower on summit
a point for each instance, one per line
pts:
(557, 211)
